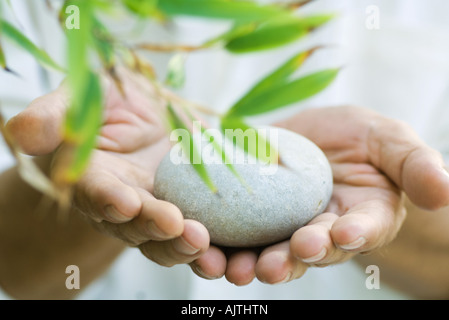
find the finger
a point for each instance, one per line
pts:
(211, 265)
(241, 267)
(277, 265)
(102, 196)
(126, 131)
(37, 130)
(368, 226)
(313, 244)
(192, 244)
(157, 220)
(410, 163)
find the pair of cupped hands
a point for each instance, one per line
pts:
(375, 162)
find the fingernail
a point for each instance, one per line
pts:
(353, 245)
(113, 215)
(200, 272)
(154, 231)
(317, 257)
(183, 247)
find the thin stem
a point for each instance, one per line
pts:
(177, 100)
(168, 47)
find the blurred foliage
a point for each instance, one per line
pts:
(253, 27)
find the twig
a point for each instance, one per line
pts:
(177, 100)
(168, 47)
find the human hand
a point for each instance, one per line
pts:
(374, 159)
(114, 194)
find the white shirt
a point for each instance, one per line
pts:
(401, 70)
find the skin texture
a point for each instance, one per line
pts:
(375, 162)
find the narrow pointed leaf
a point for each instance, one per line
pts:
(220, 150)
(84, 116)
(3, 62)
(82, 127)
(144, 8)
(176, 72)
(267, 37)
(236, 31)
(275, 33)
(221, 9)
(191, 150)
(16, 36)
(103, 43)
(2, 58)
(238, 126)
(2, 54)
(141, 7)
(77, 51)
(224, 158)
(276, 79)
(287, 94)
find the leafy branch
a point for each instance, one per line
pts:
(253, 27)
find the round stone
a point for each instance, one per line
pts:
(263, 204)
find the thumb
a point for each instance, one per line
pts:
(414, 166)
(38, 129)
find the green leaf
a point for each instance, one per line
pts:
(224, 158)
(176, 71)
(79, 41)
(82, 125)
(277, 78)
(191, 150)
(276, 32)
(103, 43)
(144, 8)
(252, 144)
(2, 54)
(2, 58)
(84, 116)
(267, 37)
(284, 95)
(17, 37)
(219, 149)
(237, 30)
(221, 9)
